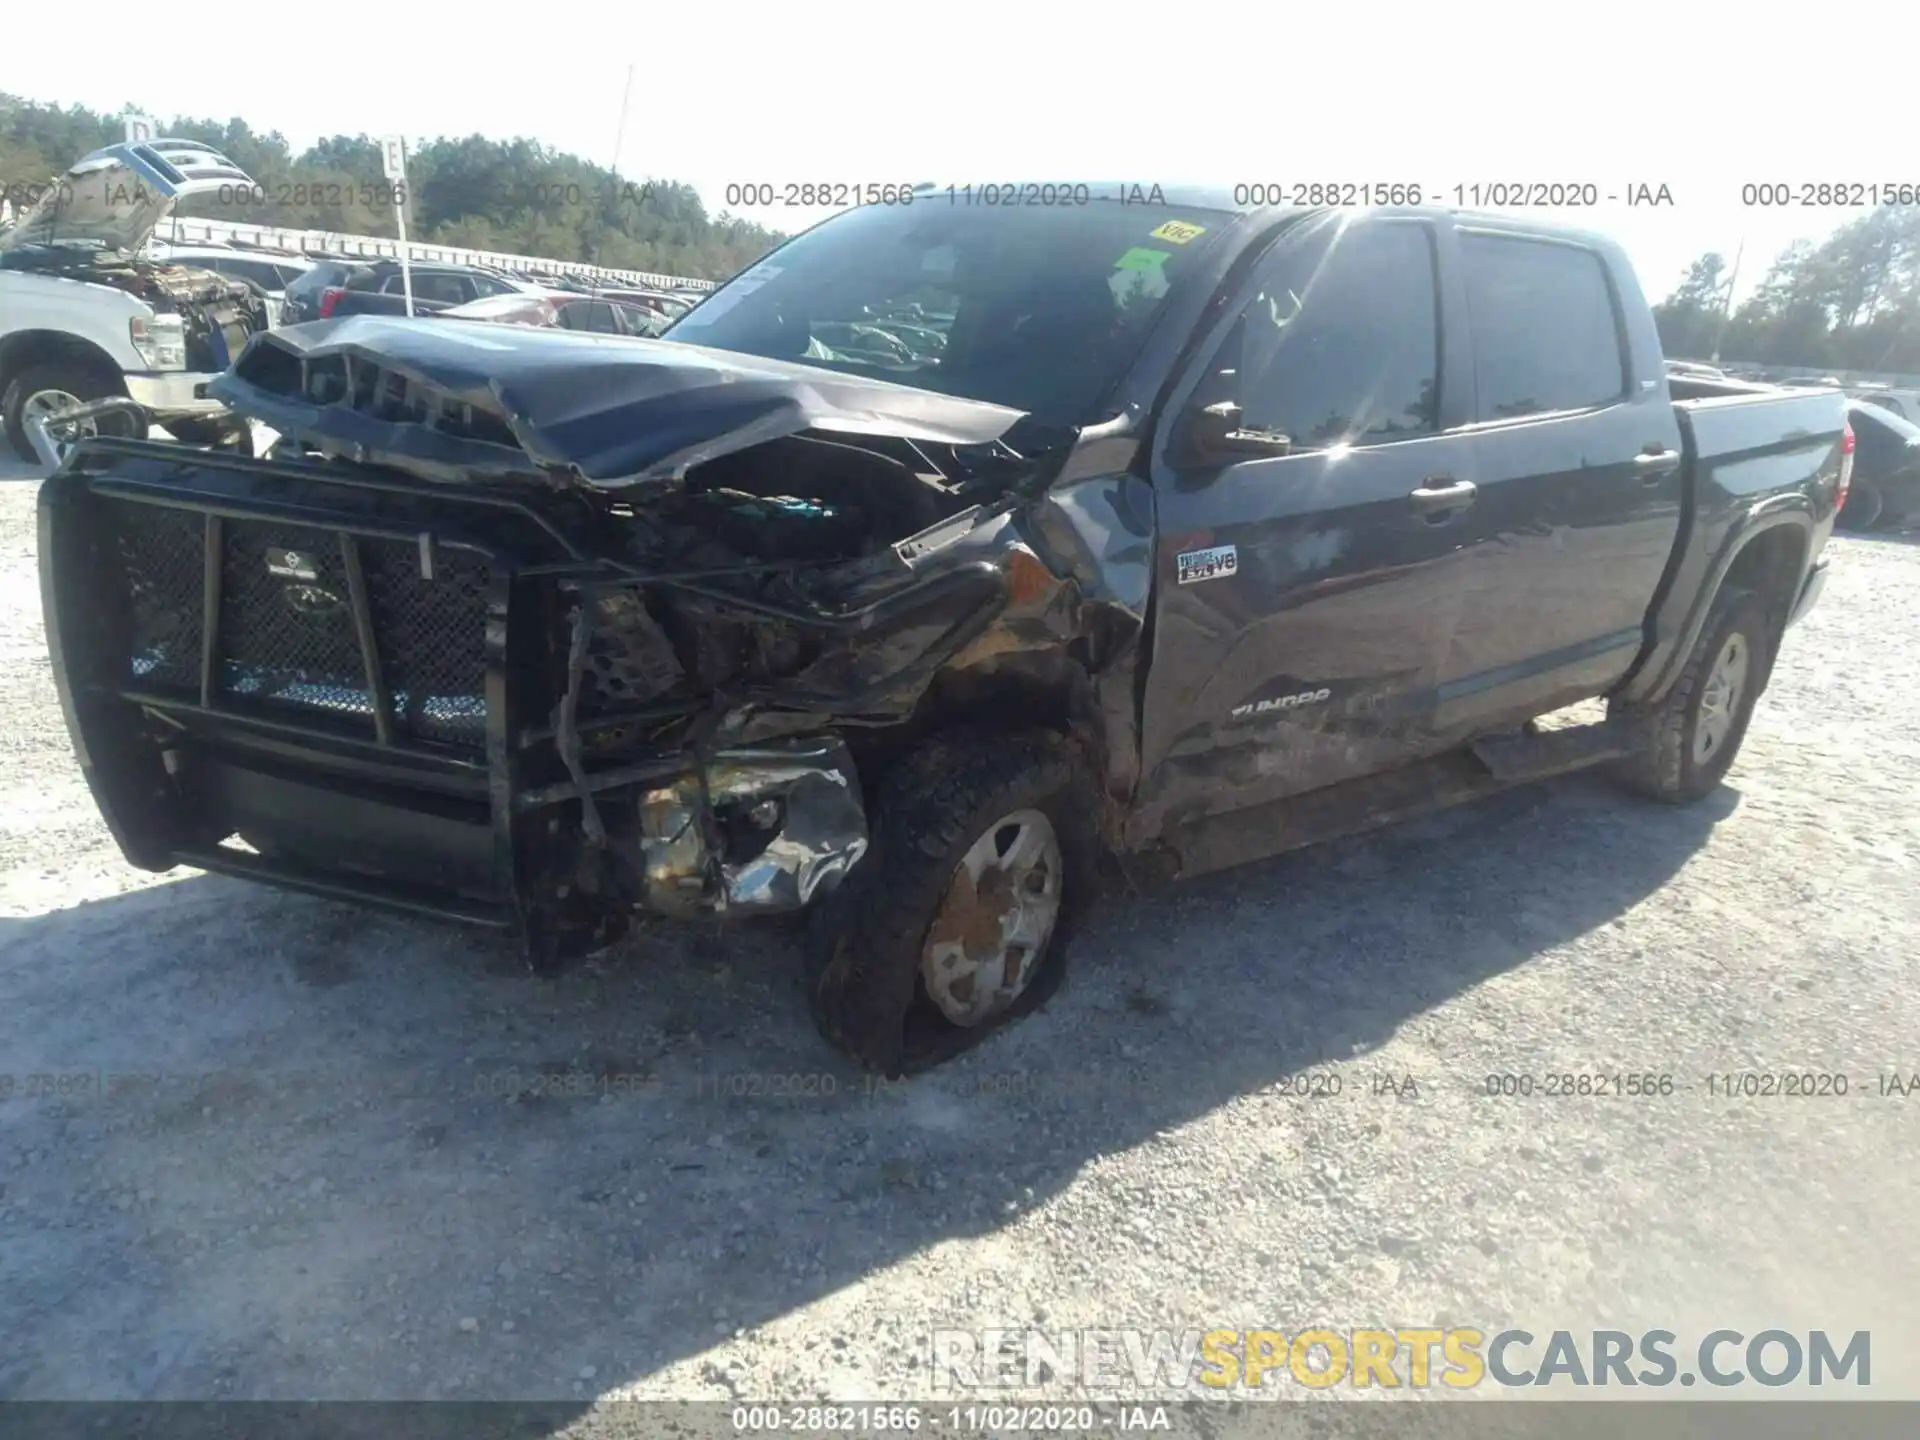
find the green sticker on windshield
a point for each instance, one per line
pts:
(1141, 258)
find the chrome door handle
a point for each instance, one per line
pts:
(1654, 464)
(1438, 494)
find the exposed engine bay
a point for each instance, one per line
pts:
(219, 314)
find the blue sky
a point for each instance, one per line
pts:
(1483, 92)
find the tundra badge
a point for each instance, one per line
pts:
(1282, 702)
(1214, 564)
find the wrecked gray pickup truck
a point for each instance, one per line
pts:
(1168, 530)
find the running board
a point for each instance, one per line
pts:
(1538, 754)
(1484, 768)
(1349, 808)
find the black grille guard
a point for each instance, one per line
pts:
(462, 794)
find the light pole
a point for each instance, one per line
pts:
(1726, 309)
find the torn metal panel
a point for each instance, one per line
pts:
(452, 402)
(757, 829)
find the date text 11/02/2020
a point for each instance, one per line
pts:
(1495, 194)
(1718, 1085)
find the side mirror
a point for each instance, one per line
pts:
(1214, 436)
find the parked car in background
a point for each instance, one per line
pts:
(87, 315)
(665, 303)
(1904, 403)
(559, 310)
(301, 299)
(377, 288)
(1886, 469)
(1143, 561)
(268, 272)
(1823, 382)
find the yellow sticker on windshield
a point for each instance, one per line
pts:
(1177, 232)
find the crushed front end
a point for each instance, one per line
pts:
(522, 701)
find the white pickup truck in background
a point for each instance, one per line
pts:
(85, 316)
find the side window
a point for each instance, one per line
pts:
(437, 285)
(1342, 343)
(1545, 336)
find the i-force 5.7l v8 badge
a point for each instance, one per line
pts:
(1212, 564)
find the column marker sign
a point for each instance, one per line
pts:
(393, 158)
(140, 129)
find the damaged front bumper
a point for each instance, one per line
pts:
(339, 682)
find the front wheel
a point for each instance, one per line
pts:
(1686, 744)
(45, 390)
(953, 925)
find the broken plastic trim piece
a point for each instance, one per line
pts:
(818, 832)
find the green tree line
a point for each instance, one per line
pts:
(517, 196)
(1851, 302)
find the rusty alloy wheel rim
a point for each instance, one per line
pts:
(1720, 698)
(993, 926)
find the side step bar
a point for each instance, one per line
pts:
(1486, 767)
(1537, 754)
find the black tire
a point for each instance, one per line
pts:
(1667, 765)
(1863, 511)
(82, 381)
(199, 432)
(864, 941)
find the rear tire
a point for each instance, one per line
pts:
(983, 856)
(1688, 742)
(33, 386)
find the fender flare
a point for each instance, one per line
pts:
(1793, 510)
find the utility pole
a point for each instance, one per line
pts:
(619, 139)
(1726, 309)
(620, 135)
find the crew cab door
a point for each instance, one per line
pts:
(1579, 476)
(1304, 600)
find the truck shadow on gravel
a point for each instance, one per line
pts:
(325, 1153)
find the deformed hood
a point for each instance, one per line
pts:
(452, 400)
(117, 195)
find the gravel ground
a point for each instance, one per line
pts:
(319, 1188)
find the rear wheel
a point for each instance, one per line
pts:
(983, 855)
(1688, 742)
(42, 391)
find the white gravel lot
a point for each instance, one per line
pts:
(313, 1194)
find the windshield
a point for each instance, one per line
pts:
(1035, 307)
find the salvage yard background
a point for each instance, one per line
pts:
(327, 1189)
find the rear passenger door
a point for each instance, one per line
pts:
(1578, 474)
(1304, 601)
